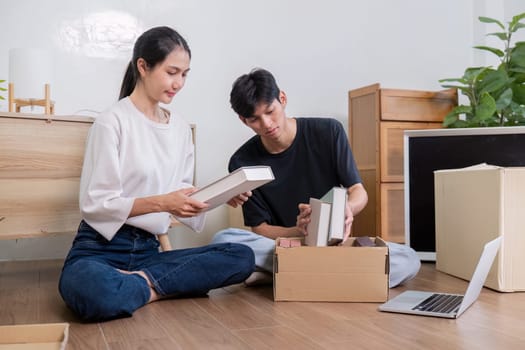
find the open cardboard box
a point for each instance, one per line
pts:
(42, 336)
(346, 273)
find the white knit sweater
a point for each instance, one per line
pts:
(129, 156)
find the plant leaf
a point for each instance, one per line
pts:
(518, 112)
(447, 86)
(518, 76)
(462, 109)
(518, 91)
(453, 116)
(495, 51)
(518, 17)
(517, 26)
(449, 120)
(500, 35)
(460, 123)
(491, 20)
(504, 100)
(514, 24)
(473, 73)
(465, 90)
(459, 80)
(486, 107)
(493, 81)
(517, 56)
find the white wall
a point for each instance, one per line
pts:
(317, 50)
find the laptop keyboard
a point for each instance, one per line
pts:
(442, 303)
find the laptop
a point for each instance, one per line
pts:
(443, 304)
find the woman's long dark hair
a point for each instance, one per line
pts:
(153, 46)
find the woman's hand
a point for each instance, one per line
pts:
(240, 199)
(303, 219)
(179, 203)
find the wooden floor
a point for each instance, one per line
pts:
(247, 318)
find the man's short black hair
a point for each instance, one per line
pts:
(249, 90)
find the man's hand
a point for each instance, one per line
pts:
(357, 199)
(349, 219)
(240, 199)
(303, 219)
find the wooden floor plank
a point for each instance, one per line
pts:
(192, 327)
(86, 336)
(18, 305)
(277, 337)
(237, 317)
(247, 314)
(157, 344)
(15, 274)
(143, 326)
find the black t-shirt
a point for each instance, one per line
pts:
(318, 159)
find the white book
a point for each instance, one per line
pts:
(337, 196)
(242, 180)
(319, 224)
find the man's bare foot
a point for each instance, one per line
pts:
(153, 293)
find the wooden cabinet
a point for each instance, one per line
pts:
(377, 119)
(40, 164)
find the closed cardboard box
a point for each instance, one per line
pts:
(42, 336)
(345, 273)
(473, 206)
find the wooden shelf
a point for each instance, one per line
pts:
(377, 119)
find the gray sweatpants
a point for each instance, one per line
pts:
(404, 262)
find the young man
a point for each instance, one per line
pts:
(308, 157)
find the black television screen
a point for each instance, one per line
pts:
(429, 150)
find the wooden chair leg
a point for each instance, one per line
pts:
(165, 243)
(11, 96)
(47, 98)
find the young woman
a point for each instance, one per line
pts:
(136, 178)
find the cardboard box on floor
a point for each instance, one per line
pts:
(473, 206)
(41, 336)
(337, 273)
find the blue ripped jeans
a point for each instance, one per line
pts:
(93, 288)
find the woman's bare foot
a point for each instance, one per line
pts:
(153, 293)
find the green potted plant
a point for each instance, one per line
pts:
(496, 95)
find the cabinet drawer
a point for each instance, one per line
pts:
(40, 165)
(391, 147)
(393, 212)
(413, 105)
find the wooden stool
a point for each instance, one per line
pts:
(16, 103)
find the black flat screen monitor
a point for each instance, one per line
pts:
(428, 150)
